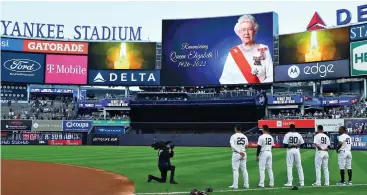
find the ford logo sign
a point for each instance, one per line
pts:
(22, 65)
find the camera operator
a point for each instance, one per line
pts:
(165, 152)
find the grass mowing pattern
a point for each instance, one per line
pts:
(196, 167)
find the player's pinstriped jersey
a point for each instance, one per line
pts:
(238, 142)
(293, 138)
(322, 140)
(347, 142)
(266, 142)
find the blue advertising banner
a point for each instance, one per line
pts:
(215, 52)
(358, 32)
(359, 142)
(124, 77)
(284, 100)
(11, 44)
(90, 105)
(355, 124)
(110, 130)
(76, 125)
(330, 101)
(312, 101)
(22, 67)
(312, 71)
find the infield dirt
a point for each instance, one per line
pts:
(40, 178)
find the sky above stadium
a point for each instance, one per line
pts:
(293, 16)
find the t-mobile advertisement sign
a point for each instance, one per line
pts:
(312, 71)
(66, 69)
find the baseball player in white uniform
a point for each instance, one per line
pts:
(292, 141)
(238, 144)
(344, 155)
(264, 156)
(322, 143)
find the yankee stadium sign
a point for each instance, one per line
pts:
(80, 32)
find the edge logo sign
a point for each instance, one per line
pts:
(358, 58)
(312, 71)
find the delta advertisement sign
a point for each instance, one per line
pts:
(124, 77)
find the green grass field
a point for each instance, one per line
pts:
(196, 167)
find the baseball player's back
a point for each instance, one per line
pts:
(345, 155)
(265, 158)
(292, 141)
(238, 144)
(322, 143)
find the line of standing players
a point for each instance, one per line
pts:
(292, 142)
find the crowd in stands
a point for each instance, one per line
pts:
(41, 107)
(357, 110)
(194, 94)
(97, 115)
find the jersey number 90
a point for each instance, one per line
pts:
(293, 140)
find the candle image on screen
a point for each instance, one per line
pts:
(123, 61)
(313, 54)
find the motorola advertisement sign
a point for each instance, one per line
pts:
(312, 71)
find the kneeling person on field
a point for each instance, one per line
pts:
(164, 165)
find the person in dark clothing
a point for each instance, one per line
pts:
(164, 164)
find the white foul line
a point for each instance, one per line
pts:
(252, 189)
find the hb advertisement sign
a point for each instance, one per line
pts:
(299, 123)
(312, 71)
(124, 77)
(215, 52)
(109, 130)
(358, 58)
(22, 67)
(16, 125)
(76, 125)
